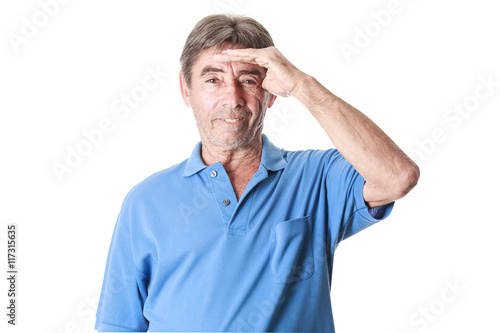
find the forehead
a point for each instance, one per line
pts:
(206, 61)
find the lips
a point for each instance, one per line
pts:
(233, 117)
(232, 120)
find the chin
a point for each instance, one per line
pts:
(241, 141)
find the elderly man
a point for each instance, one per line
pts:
(241, 235)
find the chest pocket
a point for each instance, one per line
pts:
(292, 251)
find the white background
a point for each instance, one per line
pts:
(65, 77)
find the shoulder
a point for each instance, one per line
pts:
(157, 183)
(327, 164)
(311, 157)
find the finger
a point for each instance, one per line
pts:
(230, 58)
(255, 56)
(243, 52)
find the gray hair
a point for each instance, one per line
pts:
(215, 30)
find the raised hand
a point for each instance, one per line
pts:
(282, 77)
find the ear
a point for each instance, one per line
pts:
(272, 98)
(184, 89)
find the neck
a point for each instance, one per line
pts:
(233, 159)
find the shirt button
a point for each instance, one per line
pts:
(213, 173)
(226, 202)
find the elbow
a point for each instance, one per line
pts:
(399, 185)
(412, 177)
(407, 181)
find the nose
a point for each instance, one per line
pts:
(233, 95)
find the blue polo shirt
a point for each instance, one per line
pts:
(187, 256)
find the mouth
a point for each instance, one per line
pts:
(232, 120)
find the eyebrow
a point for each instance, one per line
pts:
(254, 72)
(209, 69)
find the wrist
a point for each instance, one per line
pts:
(314, 96)
(300, 89)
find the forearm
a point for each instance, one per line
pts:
(385, 167)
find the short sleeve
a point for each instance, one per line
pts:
(378, 212)
(124, 288)
(348, 212)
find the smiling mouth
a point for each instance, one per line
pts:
(232, 120)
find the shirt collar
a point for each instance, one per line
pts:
(272, 158)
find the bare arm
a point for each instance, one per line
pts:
(388, 172)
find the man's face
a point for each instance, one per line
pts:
(227, 99)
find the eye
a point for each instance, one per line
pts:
(211, 80)
(252, 82)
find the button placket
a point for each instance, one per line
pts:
(239, 223)
(222, 191)
(234, 214)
